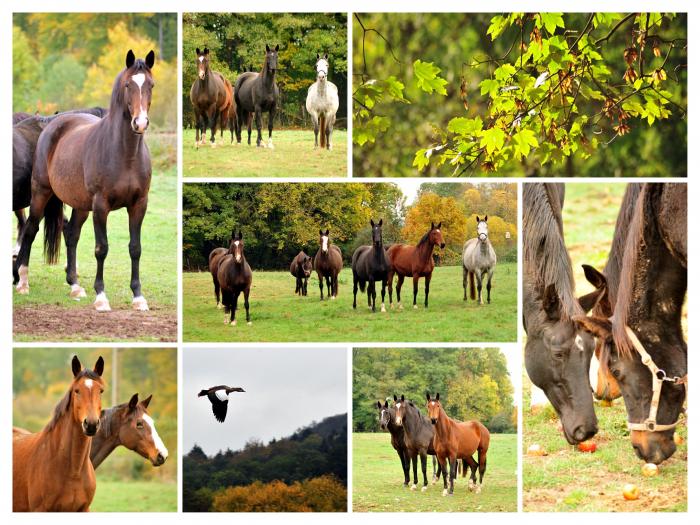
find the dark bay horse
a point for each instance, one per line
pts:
(455, 440)
(19, 116)
(51, 471)
(557, 352)
(387, 416)
(235, 276)
(644, 348)
(214, 259)
(478, 260)
(414, 261)
(212, 99)
(256, 93)
(369, 265)
(93, 165)
(301, 268)
(328, 262)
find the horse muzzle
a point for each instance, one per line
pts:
(442, 245)
(483, 237)
(139, 124)
(201, 75)
(433, 420)
(90, 427)
(158, 460)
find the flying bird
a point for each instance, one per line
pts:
(218, 395)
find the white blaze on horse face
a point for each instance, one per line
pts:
(88, 383)
(324, 243)
(593, 372)
(141, 120)
(238, 251)
(160, 446)
(579, 342)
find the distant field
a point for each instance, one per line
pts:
(134, 496)
(293, 156)
(278, 315)
(377, 484)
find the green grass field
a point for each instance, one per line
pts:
(278, 315)
(48, 307)
(377, 484)
(134, 496)
(293, 156)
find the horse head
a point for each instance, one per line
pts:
(385, 414)
(376, 233)
(271, 58)
(138, 432)
(324, 240)
(482, 228)
(434, 407)
(202, 63)
(307, 265)
(435, 235)
(86, 395)
(236, 246)
(400, 409)
(138, 86)
(321, 67)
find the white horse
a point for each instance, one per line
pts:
(322, 103)
(478, 259)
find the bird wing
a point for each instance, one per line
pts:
(218, 406)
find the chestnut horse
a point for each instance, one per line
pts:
(456, 440)
(328, 262)
(214, 259)
(415, 261)
(51, 471)
(97, 165)
(235, 276)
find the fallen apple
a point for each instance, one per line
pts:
(535, 450)
(649, 470)
(630, 491)
(587, 446)
(678, 439)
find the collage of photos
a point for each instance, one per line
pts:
(349, 262)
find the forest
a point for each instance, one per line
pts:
(520, 94)
(277, 220)
(237, 44)
(306, 471)
(473, 384)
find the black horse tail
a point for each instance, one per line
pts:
(472, 288)
(53, 227)
(322, 125)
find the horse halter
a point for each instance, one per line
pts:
(658, 377)
(322, 66)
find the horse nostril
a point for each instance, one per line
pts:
(160, 459)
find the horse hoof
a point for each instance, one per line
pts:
(22, 288)
(250, 323)
(444, 492)
(383, 309)
(332, 297)
(233, 323)
(219, 305)
(478, 489)
(139, 303)
(400, 306)
(413, 487)
(270, 144)
(424, 489)
(415, 307)
(102, 303)
(77, 292)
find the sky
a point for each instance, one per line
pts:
(284, 389)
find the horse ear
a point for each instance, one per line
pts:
(437, 396)
(133, 402)
(379, 404)
(386, 404)
(439, 225)
(146, 401)
(327, 231)
(381, 221)
(402, 398)
(427, 396)
(206, 50)
(596, 326)
(240, 235)
(318, 56)
(594, 277)
(277, 47)
(371, 221)
(395, 398)
(320, 232)
(432, 225)
(550, 302)
(325, 56)
(99, 366)
(267, 48)
(589, 300)
(477, 219)
(197, 51)
(233, 234)
(76, 366)
(130, 59)
(486, 218)
(150, 59)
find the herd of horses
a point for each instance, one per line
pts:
(218, 104)
(53, 470)
(372, 264)
(448, 440)
(628, 328)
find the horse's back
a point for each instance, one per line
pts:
(215, 258)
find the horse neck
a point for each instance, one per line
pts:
(425, 251)
(442, 427)
(70, 446)
(321, 87)
(106, 439)
(484, 248)
(377, 252)
(268, 79)
(411, 422)
(117, 128)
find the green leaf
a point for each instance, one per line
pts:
(427, 79)
(420, 161)
(490, 86)
(492, 139)
(524, 139)
(551, 21)
(498, 25)
(395, 88)
(465, 126)
(504, 72)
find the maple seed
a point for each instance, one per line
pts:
(535, 36)
(656, 49)
(630, 55)
(630, 75)
(622, 128)
(658, 75)
(463, 93)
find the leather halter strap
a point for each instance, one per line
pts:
(658, 377)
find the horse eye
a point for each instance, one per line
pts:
(102, 390)
(616, 373)
(76, 391)
(139, 424)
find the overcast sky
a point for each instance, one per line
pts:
(285, 389)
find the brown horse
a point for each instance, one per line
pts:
(328, 263)
(235, 276)
(214, 259)
(414, 261)
(456, 440)
(96, 165)
(301, 268)
(212, 99)
(51, 471)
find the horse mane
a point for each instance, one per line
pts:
(64, 404)
(424, 239)
(107, 416)
(544, 250)
(117, 99)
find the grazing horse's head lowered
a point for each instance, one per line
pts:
(433, 407)
(236, 246)
(84, 399)
(138, 85)
(324, 240)
(271, 58)
(202, 63)
(482, 228)
(376, 232)
(321, 66)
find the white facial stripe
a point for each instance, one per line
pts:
(236, 243)
(160, 446)
(438, 230)
(88, 383)
(593, 372)
(432, 403)
(324, 243)
(201, 59)
(398, 405)
(139, 79)
(579, 342)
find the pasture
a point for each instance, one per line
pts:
(134, 496)
(377, 484)
(47, 313)
(278, 315)
(293, 156)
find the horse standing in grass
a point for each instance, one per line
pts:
(301, 268)
(387, 416)
(456, 440)
(328, 262)
(256, 93)
(415, 261)
(214, 259)
(478, 259)
(235, 276)
(322, 103)
(96, 165)
(369, 265)
(51, 470)
(212, 99)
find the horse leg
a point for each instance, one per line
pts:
(334, 282)
(213, 118)
(329, 130)
(424, 467)
(314, 119)
(371, 295)
(399, 284)
(246, 294)
(390, 283)
(196, 129)
(465, 274)
(21, 221)
(328, 285)
(405, 466)
(136, 214)
(320, 285)
(453, 474)
(270, 122)
(443, 466)
(416, 278)
(297, 286)
(383, 294)
(488, 286)
(239, 124)
(234, 307)
(354, 290)
(250, 126)
(472, 467)
(100, 210)
(479, 277)
(305, 284)
(427, 287)
(482, 469)
(414, 459)
(71, 232)
(217, 290)
(31, 227)
(258, 124)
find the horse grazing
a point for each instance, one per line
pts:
(215, 257)
(328, 262)
(644, 348)
(415, 261)
(557, 352)
(211, 95)
(456, 440)
(322, 103)
(301, 268)
(96, 165)
(369, 265)
(235, 276)
(51, 471)
(478, 259)
(256, 93)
